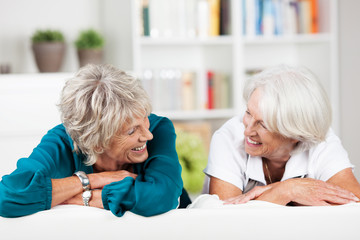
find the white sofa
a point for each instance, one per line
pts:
(28, 109)
(254, 220)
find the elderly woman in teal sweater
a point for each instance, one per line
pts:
(110, 152)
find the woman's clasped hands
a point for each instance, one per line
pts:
(297, 191)
(98, 181)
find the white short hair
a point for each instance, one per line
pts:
(293, 104)
(95, 104)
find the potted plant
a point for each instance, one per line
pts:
(193, 159)
(89, 46)
(49, 48)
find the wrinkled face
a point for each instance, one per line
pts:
(259, 141)
(127, 147)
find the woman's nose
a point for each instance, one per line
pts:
(250, 127)
(146, 135)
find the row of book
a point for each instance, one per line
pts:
(184, 18)
(279, 17)
(174, 89)
(218, 90)
(202, 18)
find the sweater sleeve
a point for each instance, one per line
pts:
(158, 186)
(28, 189)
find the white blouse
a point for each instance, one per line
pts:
(229, 162)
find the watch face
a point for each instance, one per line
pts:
(86, 194)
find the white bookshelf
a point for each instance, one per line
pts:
(237, 53)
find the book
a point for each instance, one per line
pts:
(314, 16)
(304, 16)
(188, 90)
(277, 17)
(168, 90)
(225, 17)
(203, 18)
(249, 12)
(290, 17)
(214, 17)
(210, 90)
(259, 16)
(185, 18)
(226, 92)
(221, 90)
(157, 10)
(145, 29)
(268, 18)
(175, 89)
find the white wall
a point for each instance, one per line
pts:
(19, 19)
(349, 47)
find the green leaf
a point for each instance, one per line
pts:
(89, 39)
(193, 159)
(47, 36)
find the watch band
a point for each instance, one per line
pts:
(83, 179)
(86, 196)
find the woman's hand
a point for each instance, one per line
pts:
(69, 190)
(99, 180)
(302, 191)
(311, 192)
(95, 201)
(245, 197)
(307, 191)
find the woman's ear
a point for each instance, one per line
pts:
(98, 150)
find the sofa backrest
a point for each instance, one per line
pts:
(27, 111)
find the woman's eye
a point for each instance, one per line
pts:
(131, 131)
(262, 125)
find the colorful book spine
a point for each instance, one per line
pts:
(314, 16)
(276, 17)
(221, 90)
(145, 18)
(188, 91)
(203, 18)
(258, 16)
(249, 17)
(225, 17)
(210, 90)
(268, 18)
(185, 18)
(214, 26)
(174, 89)
(304, 16)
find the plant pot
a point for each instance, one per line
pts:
(49, 55)
(87, 56)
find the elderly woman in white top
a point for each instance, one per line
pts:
(282, 150)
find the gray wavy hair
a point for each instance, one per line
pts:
(95, 104)
(293, 104)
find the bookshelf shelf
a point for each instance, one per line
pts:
(293, 39)
(198, 114)
(221, 40)
(233, 54)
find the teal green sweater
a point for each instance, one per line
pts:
(156, 190)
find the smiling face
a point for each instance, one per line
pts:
(127, 147)
(259, 141)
